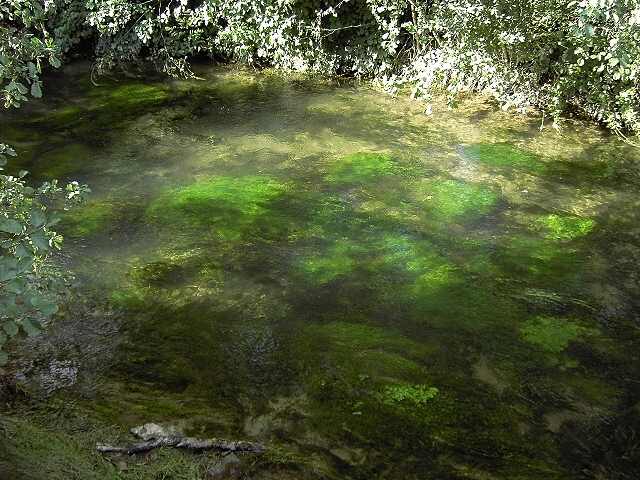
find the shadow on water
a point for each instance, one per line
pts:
(373, 292)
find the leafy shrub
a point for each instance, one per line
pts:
(28, 286)
(557, 56)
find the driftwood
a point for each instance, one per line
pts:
(186, 443)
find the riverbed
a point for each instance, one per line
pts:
(369, 290)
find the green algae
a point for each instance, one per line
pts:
(64, 116)
(552, 334)
(360, 168)
(435, 279)
(504, 155)
(89, 219)
(380, 364)
(557, 227)
(417, 395)
(63, 162)
(34, 449)
(38, 453)
(337, 262)
(540, 258)
(428, 270)
(364, 351)
(447, 200)
(230, 205)
(128, 97)
(356, 336)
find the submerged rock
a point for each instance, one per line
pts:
(153, 430)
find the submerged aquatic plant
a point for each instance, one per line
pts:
(552, 334)
(338, 261)
(452, 199)
(360, 168)
(89, 219)
(231, 204)
(558, 227)
(418, 395)
(504, 155)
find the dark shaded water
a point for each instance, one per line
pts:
(374, 292)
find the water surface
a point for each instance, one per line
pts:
(374, 292)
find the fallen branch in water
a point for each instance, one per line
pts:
(186, 443)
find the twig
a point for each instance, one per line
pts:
(187, 443)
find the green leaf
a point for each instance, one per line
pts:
(44, 306)
(33, 70)
(48, 309)
(4, 358)
(30, 327)
(23, 252)
(9, 225)
(36, 91)
(10, 327)
(24, 264)
(16, 286)
(40, 241)
(8, 268)
(37, 218)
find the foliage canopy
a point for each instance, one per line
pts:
(558, 56)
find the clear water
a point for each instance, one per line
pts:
(370, 291)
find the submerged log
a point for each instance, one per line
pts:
(187, 443)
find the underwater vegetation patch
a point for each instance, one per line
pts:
(360, 168)
(63, 161)
(504, 155)
(359, 336)
(446, 200)
(374, 352)
(429, 270)
(336, 262)
(88, 219)
(553, 334)
(231, 204)
(417, 395)
(130, 96)
(557, 227)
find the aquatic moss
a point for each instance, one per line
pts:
(30, 451)
(452, 199)
(552, 334)
(504, 155)
(89, 219)
(430, 270)
(336, 262)
(558, 227)
(62, 162)
(229, 204)
(37, 450)
(380, 364)
(128, 96)
(62, 116)
(359, 337)
(417, 395)
(540, 257)
(398, 249)
(360, 168)
(434, 279)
